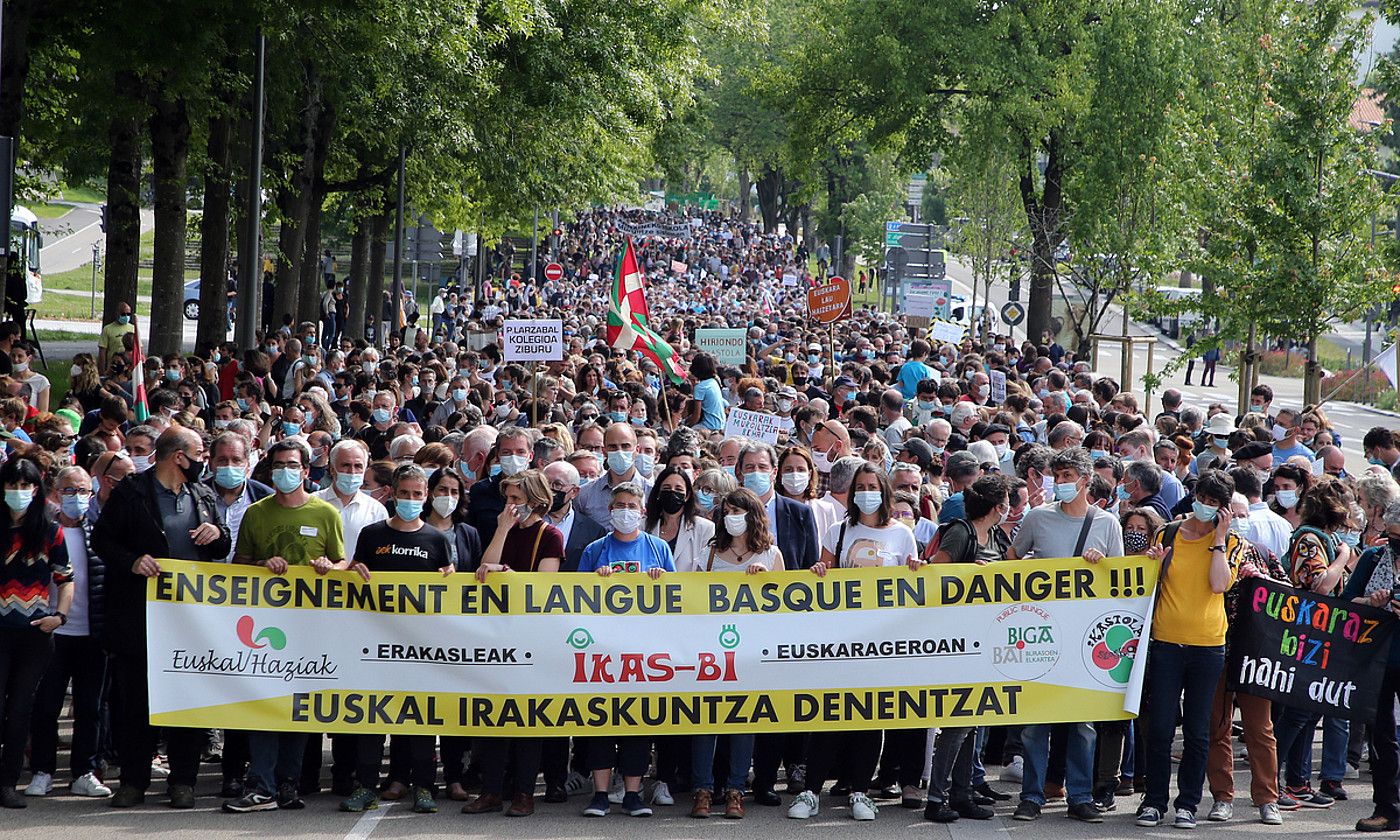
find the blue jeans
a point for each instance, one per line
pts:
(1079, 762)
(979, 772)
(1297, 727)
(1183, 675)
(275, 757)
(702, 761)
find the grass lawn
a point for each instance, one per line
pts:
(50, 211)
(86, 195)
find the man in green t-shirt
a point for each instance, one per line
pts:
(289, 528)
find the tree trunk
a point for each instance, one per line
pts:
(14, 69)
(745, 185)
(1043, 213)
(309, 308)
(359, 278)
(374, 288)
(170, 149)
(214, 234)
(294, 202)
(770, 198)
(123, 199)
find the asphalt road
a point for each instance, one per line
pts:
(69, 816)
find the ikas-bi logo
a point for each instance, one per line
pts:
(637, 667)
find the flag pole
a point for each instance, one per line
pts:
(1358, 372)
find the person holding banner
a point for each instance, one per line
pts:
(288, 528)
(36, 558)
(868, 536)
(1374, 582)
(789, 522)
(1200, 557)
(627, 549)
(743, 544)
(672, 515)
(403, 543)
(162, 512)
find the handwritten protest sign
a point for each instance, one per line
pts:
(998, 382)
(1309, 651)
(753, 424)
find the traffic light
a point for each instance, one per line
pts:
(1015, 289)
(557, 233)
(103, 221)
(1395, 288)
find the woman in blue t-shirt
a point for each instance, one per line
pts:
(707, 392)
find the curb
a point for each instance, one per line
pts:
(1379, 411)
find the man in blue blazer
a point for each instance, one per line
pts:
(579, 530)
(791, 523)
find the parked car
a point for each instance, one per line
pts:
(192, 300)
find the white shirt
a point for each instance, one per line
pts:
(1267, 531)
(233, 513)
(361, 511)
(772, 508)
(77, 624)
(827, 512)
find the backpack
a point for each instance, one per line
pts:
(1329, 544)
(969, 552)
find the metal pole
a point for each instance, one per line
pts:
(250, 269)
(92, 303)
(535, 245)
(397, 292)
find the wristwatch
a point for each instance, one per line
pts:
(1217, 548)
(62, 618)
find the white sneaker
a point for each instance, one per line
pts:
(89, 785)
(1221, 811)
(804, 806)
(661, 794)
(40, 785)
(615, 791)
(577, 783)
(1015, 771)
(862, 808)
(1269, 814)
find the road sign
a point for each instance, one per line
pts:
(1013, 313)
(554, 271)
(831, 301)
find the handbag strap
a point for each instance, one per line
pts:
(535, 552)
(1084, 531)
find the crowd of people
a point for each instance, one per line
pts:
(332, 454)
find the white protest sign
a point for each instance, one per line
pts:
(534, 341)
(790, 278)
(729, 347)
(753, 424)
(998, 378)
(947, 332)
(919, 305)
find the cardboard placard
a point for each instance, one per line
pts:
(729, 347)
(753, 424)
(540, 340)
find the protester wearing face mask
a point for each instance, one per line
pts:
(620, 462)
(401, 544)
(710, 486)
(234, 489)
(792, 524)
(1318, 561)
(78, 656)
(742, 544)
(513, 453)
(1290, 484)
(831, 441)
(163, 512)
(974, 539)
(626, 550)
(349, 462)
(141, 446)
(1255, 712)
(672, 515)
(868, 536)
(1200, 558)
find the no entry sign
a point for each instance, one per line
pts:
(554, 271)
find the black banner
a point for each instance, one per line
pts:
(1323, 654)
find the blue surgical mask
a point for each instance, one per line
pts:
(1066, 492)
(495, 470)
(381, 415)
(1222, 443)
(286, 479)
(645, 463)
(759, 482)
(1256, 409)
(867, 501)
(123, 319)
(617, 416)
(349, 483)
(620, 462)
(19, 500)
(229, 477)
(1203, 511)
(459, 394)
(1286, 498)
(289, 428)
(242, 405)
(75, 506)
(408, 509)
(729, 469)
(1123, 494)
(705, 499)
(1096, 454)
(1351, 538)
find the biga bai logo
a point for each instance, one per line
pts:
(272, 637)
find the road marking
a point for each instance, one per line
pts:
(979, 829)
(364, 826)
(59, 242)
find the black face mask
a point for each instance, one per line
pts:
(192, 470)
(560, 499)
(671, 501)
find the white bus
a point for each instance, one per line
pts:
(26, 242)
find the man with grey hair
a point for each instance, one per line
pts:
(403, 448)
(348, 462)
(579, 531)
(1033, 466)
(1142, 487)
(831, 508)
(1065, 435)
(289, 528)
(893, 419)
(962, 470)
(790, 522)
(232, 482)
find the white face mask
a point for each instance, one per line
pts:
(822, 462)
(444, 505)
(796, 482)
(141, 462)
(736, 523)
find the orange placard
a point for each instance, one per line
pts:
(830, 302)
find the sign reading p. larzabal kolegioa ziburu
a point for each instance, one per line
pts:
(557, 654)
